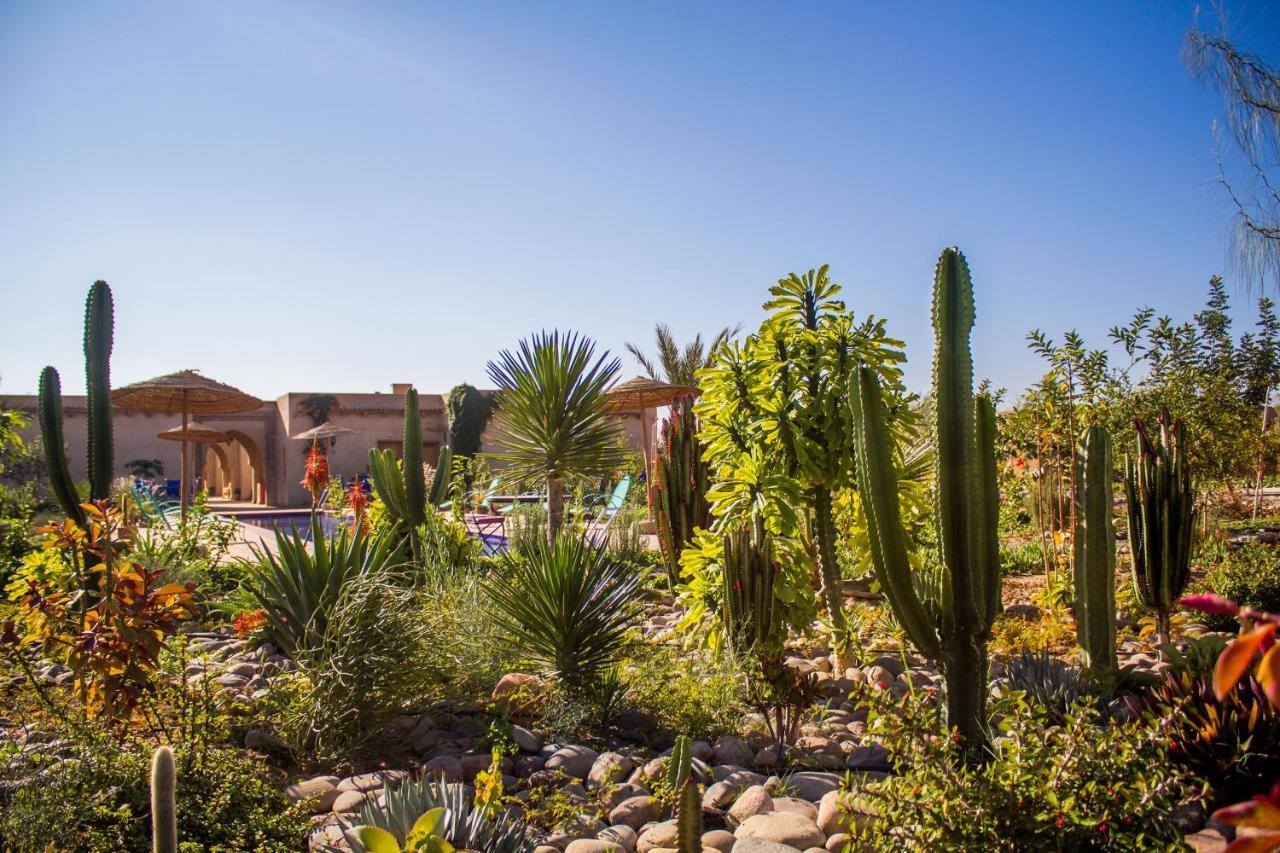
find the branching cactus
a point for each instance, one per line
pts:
(678, 496)
(949, 617)
(1161, 508)
(1095, 554)
(164, 811)
(99, 455)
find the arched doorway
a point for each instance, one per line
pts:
(247, 477)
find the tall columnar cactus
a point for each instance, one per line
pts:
(680, 762)
(164, 811)
(99, 454)
(1094, 541)
(749, 601)
(678, 494)
(951, 623)
(99, 319)
(1161, 509)
(403, 488)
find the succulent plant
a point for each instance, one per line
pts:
(1094, 542)
(164, 813)
(1161, 508)
(678, 495)
(403, 485)
(749, 599)
(951, 623)
(100, 460)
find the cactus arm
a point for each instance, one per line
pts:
(443, 477)
(986, 563)
(55, 453)
(878, 483)
(388, 482)
(415, 481)
(680, 762)
(164, 813)
(98, 323)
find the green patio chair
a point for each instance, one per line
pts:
(154, 511)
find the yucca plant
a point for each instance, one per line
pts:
(566, 606)
(553, 419)
(297, 588)
(463, 826)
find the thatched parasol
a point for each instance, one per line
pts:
(643, 393)
(325, 430)
(189, 393)
(197, 432)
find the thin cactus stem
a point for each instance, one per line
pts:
(1094, 543)
(98, 326)
(164, 812)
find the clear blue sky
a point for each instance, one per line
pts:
(337, 196)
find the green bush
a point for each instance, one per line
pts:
(1073, 786)
(99, 802)
(703, 695)
(1024, 558)
(566, 607)
(369, 665)
(1249, 575)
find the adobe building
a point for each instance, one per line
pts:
(262, 464)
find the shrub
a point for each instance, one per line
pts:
(702, 695)
(298, 588)
(1024, 558)
(365, 668)
(1074, 786)
(1249, 576)
(566, 607)
(99, 802)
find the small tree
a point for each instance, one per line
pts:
(553, 418)
(777, 423)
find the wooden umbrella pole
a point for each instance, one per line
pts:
(182, 482)
(648, 476)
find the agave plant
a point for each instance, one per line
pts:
(553, 419)
(566, 606)
(1046, 681)
(461, 825)
(298, 589)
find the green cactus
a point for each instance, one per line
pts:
(402, 486)
(55, 454)
(98, 324)
(1161, 508)
(951, 623)
(678, 495)
(99, 318)
(689, 818)
(164, 811)
(749, 601)
(680, 764)
(1094, 543)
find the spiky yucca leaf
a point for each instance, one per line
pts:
(566, 606)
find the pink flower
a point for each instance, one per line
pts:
(1215, 605)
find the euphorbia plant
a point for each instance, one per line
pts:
(776, 419)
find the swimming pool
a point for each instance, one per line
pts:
(285, 520)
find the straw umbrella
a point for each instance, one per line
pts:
(189, 393)
(324, 431)
(642, 393)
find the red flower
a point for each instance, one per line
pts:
(1209, 603)
(358, 501)
(316, 476)
(247, 623)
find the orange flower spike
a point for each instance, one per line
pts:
(316, 475)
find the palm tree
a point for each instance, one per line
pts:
(679, 367)
(553, 418)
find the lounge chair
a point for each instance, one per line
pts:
(592, 514)
(155, 511)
